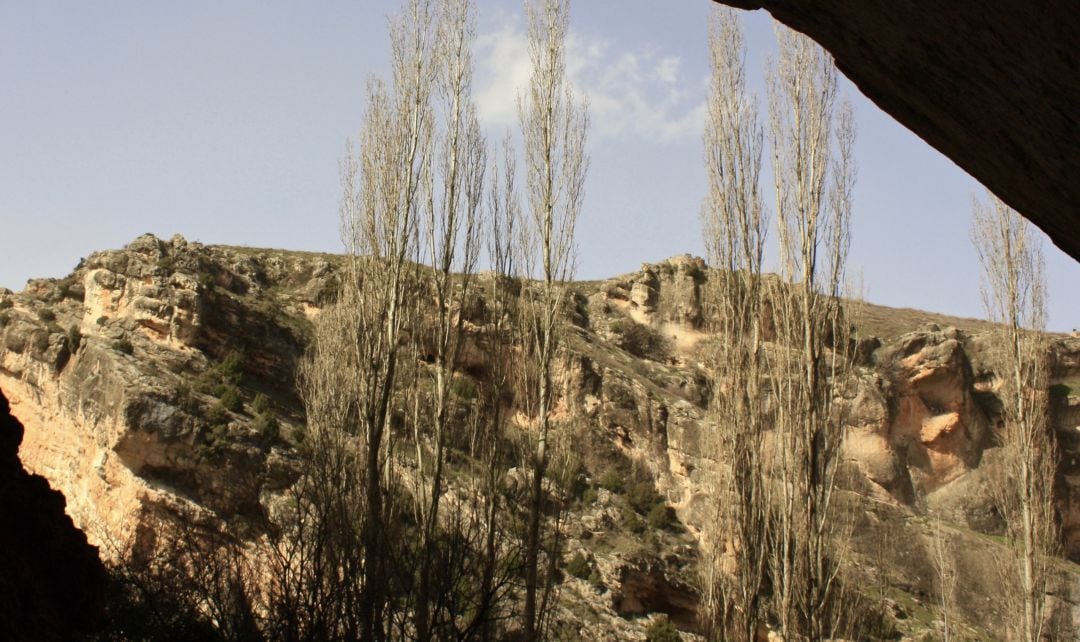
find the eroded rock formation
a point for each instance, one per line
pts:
(990, 83)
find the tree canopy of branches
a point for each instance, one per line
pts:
(734, 225)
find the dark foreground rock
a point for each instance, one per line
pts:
(50, 578)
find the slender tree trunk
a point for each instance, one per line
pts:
(1014, 296)
(553, 126)
(812, 139)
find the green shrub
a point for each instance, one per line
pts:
(6, 304)
(184, 397)
(231, 368)
(123, 345)
(267, 426)
(102, 320)
(597, 581)
(260, 404)
(5, 319)
(589, 497)
(230, 399)
(642, 496)
(475, 309)
(220, 377)
(298, 434)
(632, 522)
(69, 288)
(661, 517)
(74, 337)
(579, 566)
(572, 477)
(41, 341)
(662, 630)
(463, 388)
(167, 263)
(612, 480)
(46, 315)
(328, 293)
(217, 415)
(643, 341)
(216, 441)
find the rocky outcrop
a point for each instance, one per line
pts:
(116, 373)
(991, 84)
(50, 578)
(665, 292)
(935, 427)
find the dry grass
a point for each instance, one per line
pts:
(888, 323)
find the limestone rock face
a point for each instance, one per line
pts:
(1065, 413)
(991, 84)
(647, 585)
(99, 367)
(50, 577)
(665, 292)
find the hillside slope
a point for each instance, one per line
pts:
(159, 379)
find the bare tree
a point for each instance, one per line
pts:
(812, 138)
(945, 566)
(734, 226)
(1014, 294)
(182, 576)
(317, 578)
(451, 231)
(500, 555)
(554, 123)
(386, 188)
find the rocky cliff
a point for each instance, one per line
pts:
(159, 379)
(117, 370)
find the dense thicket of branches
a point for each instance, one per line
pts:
(429, 559)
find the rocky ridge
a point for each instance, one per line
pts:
(121, 373)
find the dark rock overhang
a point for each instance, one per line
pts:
(992, 84)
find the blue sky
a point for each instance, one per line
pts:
(225, 121)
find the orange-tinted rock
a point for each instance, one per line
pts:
(936, 427)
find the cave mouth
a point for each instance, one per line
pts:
(650, 591)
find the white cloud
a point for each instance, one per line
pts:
(667, 70)
(504, 70)
(632, 93)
